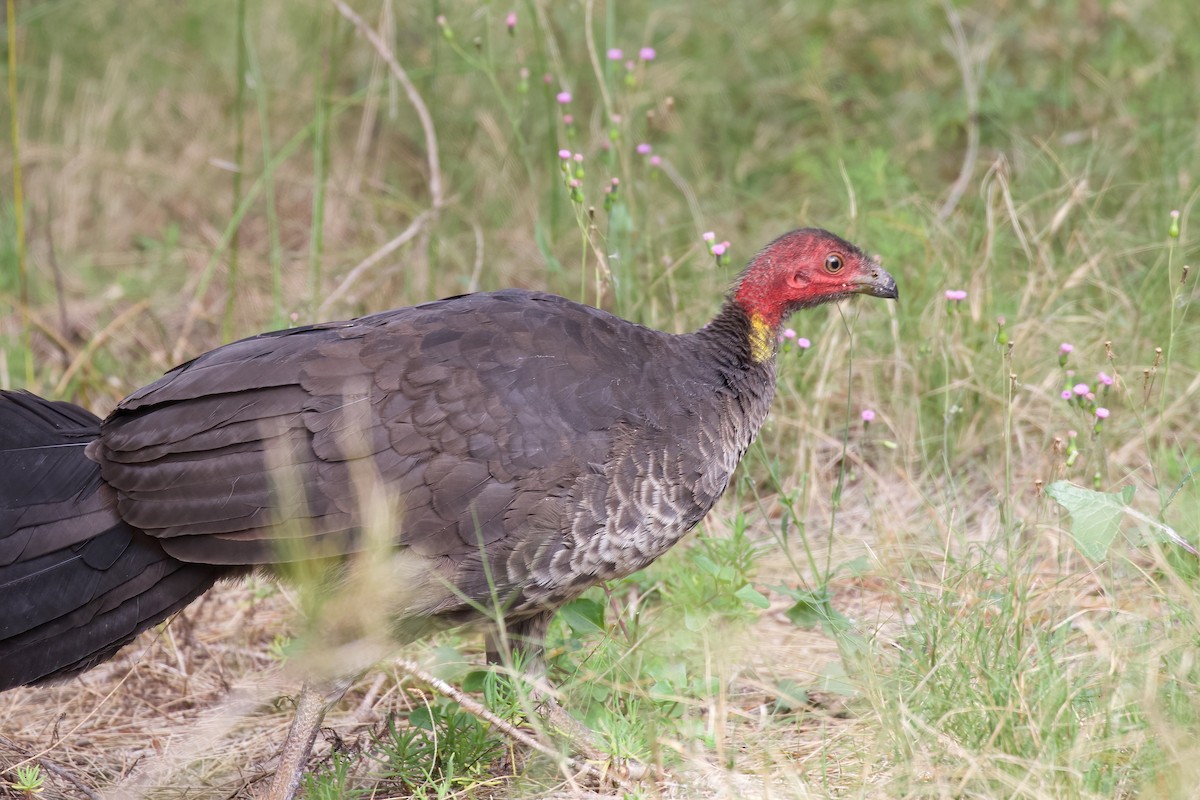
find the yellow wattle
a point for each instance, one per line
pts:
(760, 338)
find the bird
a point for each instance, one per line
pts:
(527, 446)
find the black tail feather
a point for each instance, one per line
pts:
(76, 582)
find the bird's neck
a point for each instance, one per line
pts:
(747, 341)
(742, 348)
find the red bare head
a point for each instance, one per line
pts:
(805, 268)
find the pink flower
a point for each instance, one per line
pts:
(511, 20)
(647, 54)
(578, 158)
(718, 249)
(1080, 389)
(1105, 378)
(629, 66)
(655, 161)
(709, 237)
(616, 54)
(1101, 413)
(868, 416)
(956, 294)
(1066, 394)
(803, 343)
(644, 149)
(568, 119)
(564, 154)
(1090, 397)
(563, 97)
(1065, 348)
(788, 333)
(616, 182)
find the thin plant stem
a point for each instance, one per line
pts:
(436, 194)
(324, 83)
(1009, 378)
(268, 183)
(841, 477)
(486, 66)
(239, 158)
(19, 194)
(231, 229)
(230, 232)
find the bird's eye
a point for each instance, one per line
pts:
(833, 263)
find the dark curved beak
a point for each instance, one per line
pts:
(877, 283)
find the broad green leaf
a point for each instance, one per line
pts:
(696, 619)
(583, 615)
(834, 679)
(856, 566)
(474, 680)
(790, 696)
(421, 717)
(1095, 516)
(808, 612)
(751, 596)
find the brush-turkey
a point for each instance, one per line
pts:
(531, 447)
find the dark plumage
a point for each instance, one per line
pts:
(531, 446)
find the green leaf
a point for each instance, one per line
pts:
(807, 613)
(449, 663)
(751, 596)
(1095, 516)
(583, 615)
(696, 619)
(422, 717)
(813, 608)
(670, 678)
(474, 680)
(543, 246)
(835, 680)
(856, 566)
(790, 696)
(706, 564)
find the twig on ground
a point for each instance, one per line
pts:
(472, 706)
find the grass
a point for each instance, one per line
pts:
(885, 610)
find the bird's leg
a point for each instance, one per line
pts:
(311, 705)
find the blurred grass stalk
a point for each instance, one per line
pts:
(239, 164)
(19, 196)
